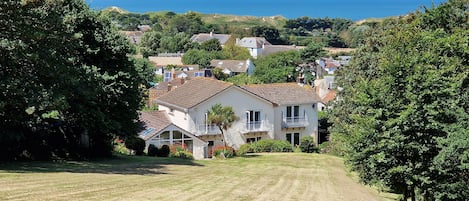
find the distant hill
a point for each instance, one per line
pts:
(244, 21)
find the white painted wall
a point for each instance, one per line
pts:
(310, 130)
(241, 102)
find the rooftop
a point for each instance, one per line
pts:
(284, 93)
(238, 66)
(153, 122)
(193, 92)
(202, 37)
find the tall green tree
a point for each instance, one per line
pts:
(68, 86)
(223, 117)
(402, 104)
(150, 43)
(276, 67)
(212, 45)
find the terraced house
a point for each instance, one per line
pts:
(284, 111)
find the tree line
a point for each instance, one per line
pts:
(402, 117)
(68, 86)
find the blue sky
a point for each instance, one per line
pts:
(350, 9)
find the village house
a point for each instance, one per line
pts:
(284, 111)
(259, 46)
(253, 44)
(203, 37)
(234, 67)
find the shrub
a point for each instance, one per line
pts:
(152, 150)
(307, 144)
(163, 151)
(135, 143)
(184, 154)
(269, 145)
(325, 147)
(119, 147)
(244, 149)
(180, 151)
(227, 151)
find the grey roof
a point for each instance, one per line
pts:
(284, 93)
(238, 66)
(202, 37)
(270, 49)
(253, 42)
(193, 92)
(153, 122)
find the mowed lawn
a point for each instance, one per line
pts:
(278, 176)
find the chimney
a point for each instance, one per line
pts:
(211, 33)
(182, 81)
(263, 45)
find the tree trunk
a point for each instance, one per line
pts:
(412, 193)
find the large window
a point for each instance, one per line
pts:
(293, 138)
(253, 119)
(293, 113)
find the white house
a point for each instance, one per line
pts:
(255, 45)
(285, 111)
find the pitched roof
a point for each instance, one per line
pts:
(284, 93)
(164, 61)
(238, 66)
(153, 122)
(202, 37)
(270, 49)
(193, 92)
(253, 42)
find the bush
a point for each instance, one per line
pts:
(269, 145)
(244, 149)
(163, 151)
(227, 151)
(307, 144)
(135, 143)
(152, 150)
(178, 151)
(119, 147)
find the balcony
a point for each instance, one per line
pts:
(207, 129)
(256, 126)
(294, 122)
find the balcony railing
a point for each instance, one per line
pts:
(294, 122)
(207, 129)
(256, 126)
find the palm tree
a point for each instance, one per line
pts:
(222, 117)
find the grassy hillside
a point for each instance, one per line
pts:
(244, 21)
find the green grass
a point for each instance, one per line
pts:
(283, 176)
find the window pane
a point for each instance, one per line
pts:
(296, 139)
(177, 135)
(164, 135)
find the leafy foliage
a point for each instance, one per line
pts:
(163, 151)
(223, 117)
(275, 68)
(307, 144)
(68, 86)
(135, 143)
(212, 45)
(403, 102)
(227, 151)
(152, 150)
(270, 145)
